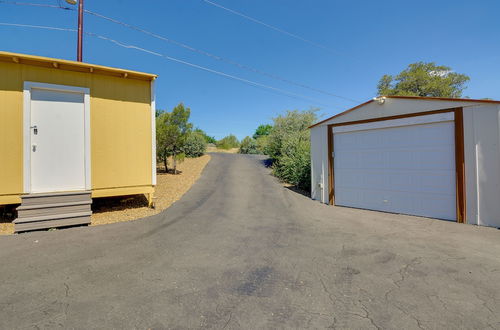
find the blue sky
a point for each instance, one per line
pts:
(370, 38)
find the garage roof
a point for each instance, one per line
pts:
(73, 66)
(408, 98)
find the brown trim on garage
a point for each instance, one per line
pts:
(459, 154)
(341, 114)
(407, 98)
(407, 115)
(331, 174)
(460, 165)
(429, 98)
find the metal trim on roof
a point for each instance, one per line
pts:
(408, 98)
(73, 66)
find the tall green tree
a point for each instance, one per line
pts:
(208, 139)
(172, 130)
(262, 130)
(424, 79)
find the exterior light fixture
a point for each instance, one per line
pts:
(380, 100)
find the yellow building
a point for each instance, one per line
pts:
(69, 132)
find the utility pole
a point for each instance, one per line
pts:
(79, 45)
(80, 31)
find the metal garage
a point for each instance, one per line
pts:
(410, 155)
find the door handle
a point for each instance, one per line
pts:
(35, 129)
(33, 147)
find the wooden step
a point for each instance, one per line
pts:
(63, 222)
(51, 210)
(49, 217)
(57, 197)
(26, 211)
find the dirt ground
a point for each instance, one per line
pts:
(169, 189)
(6, 217)
(230, 151)
(6, 228)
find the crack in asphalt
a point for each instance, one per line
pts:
(239, 250)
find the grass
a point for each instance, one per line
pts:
(230, 151)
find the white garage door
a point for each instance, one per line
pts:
(402, 166)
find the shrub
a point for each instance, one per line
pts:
(262, 144)
(208, 139)
(284, 125)
(248, 146)
(288, 146)
(294, 164)
(195, 145)
(228, 142)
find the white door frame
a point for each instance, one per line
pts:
(28, 86)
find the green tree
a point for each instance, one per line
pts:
(195, 145)
(228, 142)
(208, 139)
(289, 123)
(424, 79)
(158, 112)
(262, 144)
(288, 146)
(172, 130)
(262, 130)
(248, 146)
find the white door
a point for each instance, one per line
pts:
(404, 169)
(57, 141)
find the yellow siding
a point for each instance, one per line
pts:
(11, 132)
(120, 126)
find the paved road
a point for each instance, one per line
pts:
(240, 251)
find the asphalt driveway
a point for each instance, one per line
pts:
(241, 251)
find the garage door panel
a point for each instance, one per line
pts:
(441, 207)
(349, 160)
(427, 134)
(437, 183)
(436, 159)
(421, 204)
(371, 159)
(399, 159)
(408, 169)
(431, 183)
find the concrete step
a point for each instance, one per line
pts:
(26, 211)
(56, 197)
(62, 222)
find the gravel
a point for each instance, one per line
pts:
(169, 189)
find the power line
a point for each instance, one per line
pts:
(272, 27)
(190, 48)
(38, 27)
(219, 58)
(220, 73)
(17, 3)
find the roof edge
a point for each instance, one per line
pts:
(341, 113)
(407, 98)
(69, 65)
